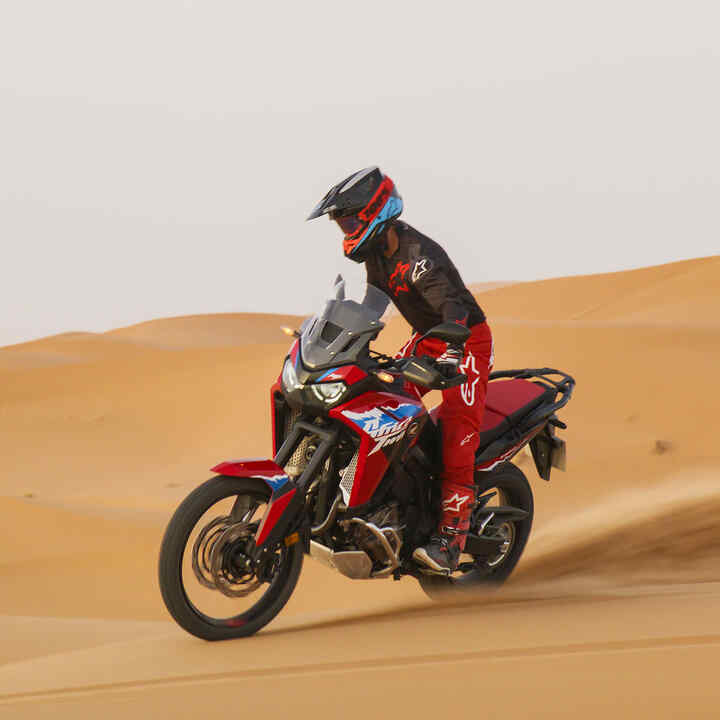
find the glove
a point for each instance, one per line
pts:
(450, 360)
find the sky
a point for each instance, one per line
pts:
(159, 157)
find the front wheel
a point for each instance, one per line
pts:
(209, 580)
(510, 487)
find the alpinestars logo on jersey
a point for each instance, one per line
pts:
(383, 428)
(422, 266)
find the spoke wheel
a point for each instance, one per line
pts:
(210, 581)
(510, 487)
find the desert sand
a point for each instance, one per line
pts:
(614, 609)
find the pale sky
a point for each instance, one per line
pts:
(159, 157)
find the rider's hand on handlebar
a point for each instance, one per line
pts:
(449, 362)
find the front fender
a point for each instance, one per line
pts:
(266, 470)
(284, 504)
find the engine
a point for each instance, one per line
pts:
(380, 536)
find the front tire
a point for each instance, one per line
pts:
(175, 573)
(514, 490)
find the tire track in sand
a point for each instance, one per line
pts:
(392, 663)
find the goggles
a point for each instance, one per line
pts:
(349, 224)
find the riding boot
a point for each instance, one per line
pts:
(441, 554)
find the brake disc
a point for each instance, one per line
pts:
(203, 547)
(229, 576)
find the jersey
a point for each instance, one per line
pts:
(423, 283)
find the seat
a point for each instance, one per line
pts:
(508, 403)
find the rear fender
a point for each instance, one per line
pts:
(285, 502)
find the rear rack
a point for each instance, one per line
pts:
(564, 386)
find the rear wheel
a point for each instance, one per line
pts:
(511, 488)
(210, 582)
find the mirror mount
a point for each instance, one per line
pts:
(339, 288)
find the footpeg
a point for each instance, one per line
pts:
(429, 571)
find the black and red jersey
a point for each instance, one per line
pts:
(423, 282)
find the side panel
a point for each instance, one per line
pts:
(508, 454)
(382, 421)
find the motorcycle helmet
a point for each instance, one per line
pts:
(363, 205)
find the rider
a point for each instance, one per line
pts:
(427, 290)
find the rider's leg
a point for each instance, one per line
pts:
(461, 417)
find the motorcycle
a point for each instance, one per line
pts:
(354, 481)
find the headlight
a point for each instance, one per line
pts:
(289, 377)
(329, 392)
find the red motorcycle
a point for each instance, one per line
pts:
(355, 478)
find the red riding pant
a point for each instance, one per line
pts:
(460, 416)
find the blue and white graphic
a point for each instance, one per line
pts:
(384, 428)
(275, 481)
(330, 375)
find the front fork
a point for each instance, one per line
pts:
(284, 514)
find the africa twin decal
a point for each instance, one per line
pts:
(467, 439)
(422, 266)
(398, 277)
(383, 428)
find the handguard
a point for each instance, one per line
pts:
(424, 372)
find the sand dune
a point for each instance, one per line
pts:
(208, 330)
(681, 293)
(613, 608)
(178, 333)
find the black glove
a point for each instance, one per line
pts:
(449, 362)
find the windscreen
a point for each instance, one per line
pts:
(338, 334)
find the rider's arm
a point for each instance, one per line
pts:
(436, 289)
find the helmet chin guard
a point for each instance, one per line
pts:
(363, 205)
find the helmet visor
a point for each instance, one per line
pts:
(349, 224)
